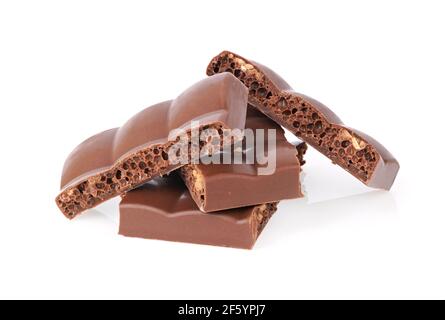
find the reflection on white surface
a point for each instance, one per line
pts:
(368, 206)
(109, 209)
(355, 211)
(334, 199)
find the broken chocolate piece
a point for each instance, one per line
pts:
(311, 121)
(163, 209)
(216, 187)
(118, 160)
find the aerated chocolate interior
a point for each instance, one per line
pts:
(118, 160)
(314, 123)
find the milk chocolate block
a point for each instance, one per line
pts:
(163, 209)
(118, 160)
(311, 121)
(216, 187)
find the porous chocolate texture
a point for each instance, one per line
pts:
(301, 151)
(163, 209)
(118, 160)
(359, 154)
(216, 187)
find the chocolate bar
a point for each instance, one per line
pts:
(216, 187)
(311, 121)
(118, 160)
(163, 209)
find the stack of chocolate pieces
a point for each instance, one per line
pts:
(187, 170)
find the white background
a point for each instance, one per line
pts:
(70, 69)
